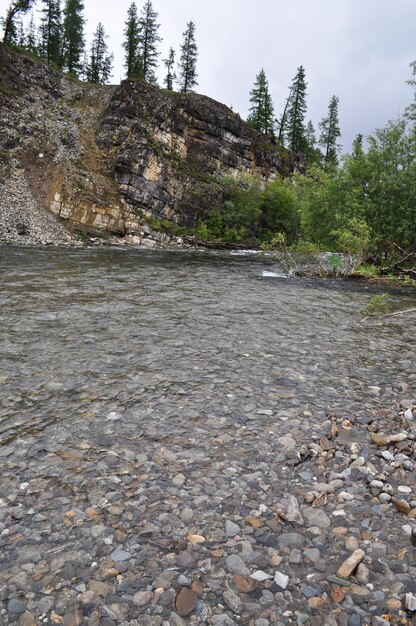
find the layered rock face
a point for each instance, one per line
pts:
(107, 158)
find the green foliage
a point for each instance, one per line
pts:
(279, 211)
(295, 116)
(51, 29)
(131, 42)
(261, 116)
(330, 132)
(17, 7)
(148, 39)
(377, 305)
(73, 36)
(170, 64)
(100, 63)
(187, 63)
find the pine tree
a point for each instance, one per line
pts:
(295, 129)
(170, 64)
(131, 43)
(73, 36)
(313, 154)
(261, 116)
(51, 32)
(31, 40)
(148, 53)
(187, 64)
(101, 62)
(16, 7)
(330, 132)
(282, 122)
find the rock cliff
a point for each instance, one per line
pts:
(108, 158)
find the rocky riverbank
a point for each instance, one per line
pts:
(267, 521)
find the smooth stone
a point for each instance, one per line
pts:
(16, 606)
(231, 529)
(290, 540)
(409, 602)
(185, 602)
(141, 598)
(236, 565)
(316, 517)
(120, 556)
(350, 564)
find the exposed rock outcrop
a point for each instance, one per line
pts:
(107, 158)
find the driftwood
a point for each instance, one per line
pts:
(391, 314)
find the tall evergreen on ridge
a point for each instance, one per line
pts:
(261, 116)
(16, 7)
(187, 63)
(282, 122)
(31, 39)
(73, 36)
(101, 62)
(149, 38)
(50, 30)
(131, 43)
(296, 110)
(170, 64)
(330, 131)
(313, 153)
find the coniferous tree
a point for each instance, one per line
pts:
(170, 64)
(330, 132)
(261, 116)
(73, 36)
(187, 64)
(313, 154)
(295, 128)
(131, 43)
(148, 40)
(282, 122)
(101, 62)
(31, 40)
(16, 7)
(50, 30)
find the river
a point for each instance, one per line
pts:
(163, 340)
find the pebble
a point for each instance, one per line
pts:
(185, 602)
(350, 564)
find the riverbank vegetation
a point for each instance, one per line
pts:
(365, 206)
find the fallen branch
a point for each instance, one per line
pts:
(399, 312)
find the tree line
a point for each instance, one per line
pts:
(362, 204)
(290, 130)
(60, 41)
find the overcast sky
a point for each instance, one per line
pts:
(359, 50)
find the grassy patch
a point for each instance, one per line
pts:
(377, 305)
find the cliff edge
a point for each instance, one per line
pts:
(111, 158)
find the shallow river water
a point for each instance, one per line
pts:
(137, 339)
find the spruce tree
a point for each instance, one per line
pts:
(170, 64)
(261, 116)
(50, 30)
(101, 62)
(312, 153)
(330, 132)
(295, 128)
(148, 53)
(187, 64)
(31, 40)
(73, 36)
(131, 43)
(282, 122)
(17, 7)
